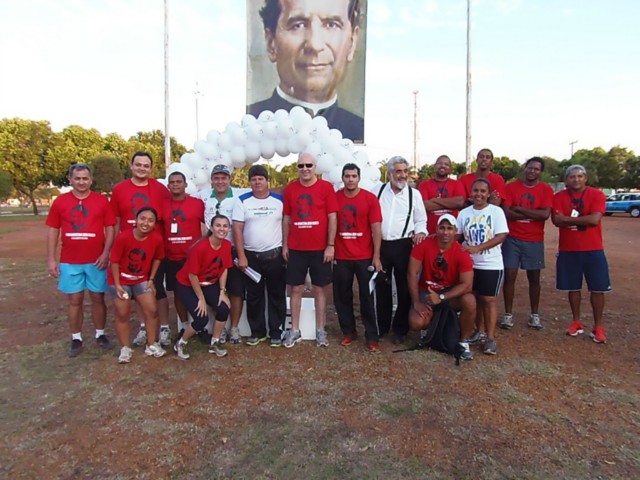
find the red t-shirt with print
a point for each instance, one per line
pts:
(81, 224)
(127, 198)
(355, 216)
(206, 262)
(440, 274)
(182, 225)
(308, 209)
(433, 188)
(135, 257)
(496, 181)
(588, 201)
(535, 197)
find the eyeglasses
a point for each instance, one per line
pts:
(305, 165)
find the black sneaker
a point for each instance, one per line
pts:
(103, 342)
(75, 348)
(473, 338)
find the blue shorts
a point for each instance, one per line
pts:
(75, 277)
(313, 261)
(133, 290)
(520, 254)
(592, 265)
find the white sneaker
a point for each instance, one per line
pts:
(141, 338)
(507, 321)
(223, 336)
(154, 350)
(125, 355)
(165, 336)
(322, 339)
(235, 337)
(179, 349)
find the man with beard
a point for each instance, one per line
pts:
(404, 225)
(527, 205)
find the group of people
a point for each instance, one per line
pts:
(448, 240)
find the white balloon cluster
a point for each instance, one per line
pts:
(281, 133)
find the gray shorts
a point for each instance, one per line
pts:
(524, 255)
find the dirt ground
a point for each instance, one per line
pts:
(547, 406)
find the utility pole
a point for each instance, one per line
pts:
(167, 137)
(468, 122)
(197, 94)
(415, 131)
(572, 144)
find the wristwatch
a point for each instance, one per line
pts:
(441, 297)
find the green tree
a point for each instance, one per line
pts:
(631, 173)
(27, 153)
(6, 185)
(552, 173)
(509, 169)
(107, 172)
(426, 172)
(78, 145)
(603, 169)
(117, 147)
(153, 142)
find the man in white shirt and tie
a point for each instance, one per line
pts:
(404, 224)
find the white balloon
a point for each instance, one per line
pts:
(225, 158)
(239, 137)
(372, 173)
(347, 144)
(164, 181)
(191, 188)
(182, 158)
(282, 146)
(232, 127)
(335, 176)
(205, 149)
(304, 138)
(342, 156)
(285, 127)
(314, 149)
(335, 134)
(252, 151)
(319, 122)
(366, 184)
(280, 115)
(319, 133)
(237, 156)
(361, 158)
(324, 162)
(194, 161)
(296, 112)
(268, 148)
(265, 116)
(254, 132)
(224, 142)
(247, 120)
(200, 178)
(270, 130)
(294, 144)
(212, 136)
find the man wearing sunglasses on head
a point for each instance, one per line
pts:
(220, 200)
(440, 271)
(308, 240)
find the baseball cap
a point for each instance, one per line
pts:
(449, 218)
(221, 168)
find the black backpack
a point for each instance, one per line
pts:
(443, 333)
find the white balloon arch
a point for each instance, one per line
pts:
(281, 133)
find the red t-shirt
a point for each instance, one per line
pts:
(355, 216)
(182, 225)
(135, 257)
(496, 181)
(537, 197)
(589, 201)
(445, 274)
(434, 189)
(82, 224)
(206, 262)
(127, 199)
(309, 208)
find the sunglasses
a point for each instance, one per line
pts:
(305, 165)
(440, 259)
(218, 207)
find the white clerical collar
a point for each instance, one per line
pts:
(314, 107)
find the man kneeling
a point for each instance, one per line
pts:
(447, 275)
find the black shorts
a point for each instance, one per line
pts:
(313, 261)
(487, 282)
(235, 286)
(171, 268)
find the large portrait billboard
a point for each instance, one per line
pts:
(309, 53)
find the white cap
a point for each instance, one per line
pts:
(449, 218)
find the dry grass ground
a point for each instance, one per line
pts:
(546, 407)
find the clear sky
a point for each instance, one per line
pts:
(545, 72)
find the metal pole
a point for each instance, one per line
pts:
(415, 131)
(167, 138)
(572, 144)
(468, 122)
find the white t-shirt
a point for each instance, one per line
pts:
(480, 226)
(212, 206)
(262, 218)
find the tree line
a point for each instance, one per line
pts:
(33, 157)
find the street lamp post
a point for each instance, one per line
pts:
(572, 144)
